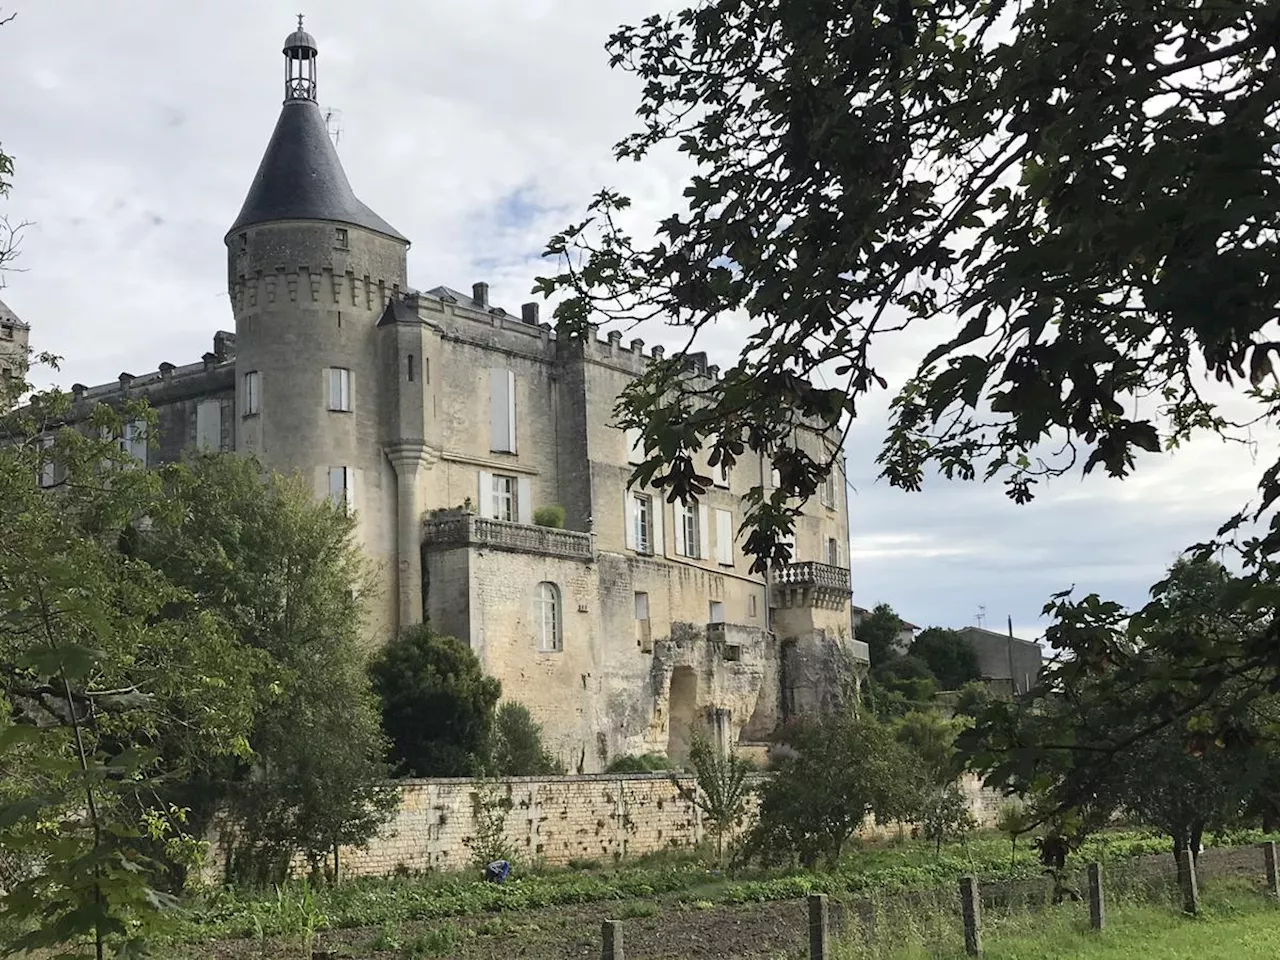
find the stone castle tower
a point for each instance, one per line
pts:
(445, 423)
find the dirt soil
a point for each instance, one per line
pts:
(671, 930)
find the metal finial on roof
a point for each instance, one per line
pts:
(299, 21)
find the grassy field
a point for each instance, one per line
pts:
(1235, 922)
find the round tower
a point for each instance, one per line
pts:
(310, 269)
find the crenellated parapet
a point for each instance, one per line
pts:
(319, 286)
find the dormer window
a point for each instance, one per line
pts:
(340, 238)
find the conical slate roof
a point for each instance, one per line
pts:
(301, 177)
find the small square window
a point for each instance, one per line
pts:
(340, 238)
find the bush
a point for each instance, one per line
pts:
(552, 516)
(437, 704)
(517, 745)
(643, 763)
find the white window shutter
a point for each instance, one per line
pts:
(524, 500)
(351, 489)
(209, 425)
(724, 537)
(681, 547)
(629, 522)
(484, 495)
(635, 445)
(704, 530)
(659, 511)
(511, 411)
(498, 409)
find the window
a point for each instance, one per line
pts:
(6, 331)
(504, 498)
(134, 441)
(833, 551)
(752, 609)
(722, 475)
(829, 489)
(410, 368)
(340, 389)
(252, 381)
(502, 411)
(244, 241)
(690, 536)
(340, 238)
(775, 478)
(715, 612)
(642, 517)
(644, 637)
(209, 425)
(48, 469)
(342, 487)
(724, 538)
(548, 618)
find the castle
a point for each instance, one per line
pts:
(445, 423)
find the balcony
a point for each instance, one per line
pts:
(860, 652)
(810, 584)
(453, 529)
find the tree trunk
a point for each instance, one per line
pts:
(1197, 834)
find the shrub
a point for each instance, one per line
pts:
(550, 516)
(643, 763)
(517, 745)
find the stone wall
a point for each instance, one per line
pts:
(551, 820)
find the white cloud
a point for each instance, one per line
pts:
(477, 129)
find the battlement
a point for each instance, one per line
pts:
(307, 285)
(223, 356)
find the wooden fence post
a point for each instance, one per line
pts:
(1188, 884)
(819, 935)
(971, 910)
(1097, 899)
(1273, 868)
(611, 935)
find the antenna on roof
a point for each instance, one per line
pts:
(333, 123)
(981, 615)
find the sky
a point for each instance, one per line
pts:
(477, 129)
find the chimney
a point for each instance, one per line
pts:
(529, 313)
(210, 361)
(224, 345)
(637, 347)
(615, 338)
(480, 294)
(166, 371)
(78, 391)
(125, 380)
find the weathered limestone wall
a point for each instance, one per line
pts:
(551, 820)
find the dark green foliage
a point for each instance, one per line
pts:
(832, 774)
(437, 704)
(972, 698)
(949, 656)
(517, 745)
(643, 763)
(551, 516)
(879, 631)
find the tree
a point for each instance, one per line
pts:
(942, 809)
(284, 571)
(102, 661)
(880, 631)
(900, 685)
(721, 790)
(834, 773)
(437, 704)
(1093, 738)
(949, 655)
(1071, 206)
(517, 744)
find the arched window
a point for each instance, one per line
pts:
(547, 606)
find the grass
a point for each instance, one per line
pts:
(1235, 921)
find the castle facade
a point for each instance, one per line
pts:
(446, 423)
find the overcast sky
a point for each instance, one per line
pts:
(477, 128)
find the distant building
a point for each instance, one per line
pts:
(13, 345)
(1007, 663)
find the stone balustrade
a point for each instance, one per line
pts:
(459, 529)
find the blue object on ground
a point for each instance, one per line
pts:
(497, 871)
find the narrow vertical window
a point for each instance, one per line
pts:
(752, 608)
(504, 498)
(339, 389)
(547, 601)
(635, 445)
(134, 442)
(502, 411)
(209, 425)
(829, 489)
(48, 468)
(644, 637)
(410, 368)
(644, 523)
(833, 551)
(724, 538)
(340, 238)
(715, 612)
(722, 475)
(688, 532)
(252, 392)
(342, 487)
